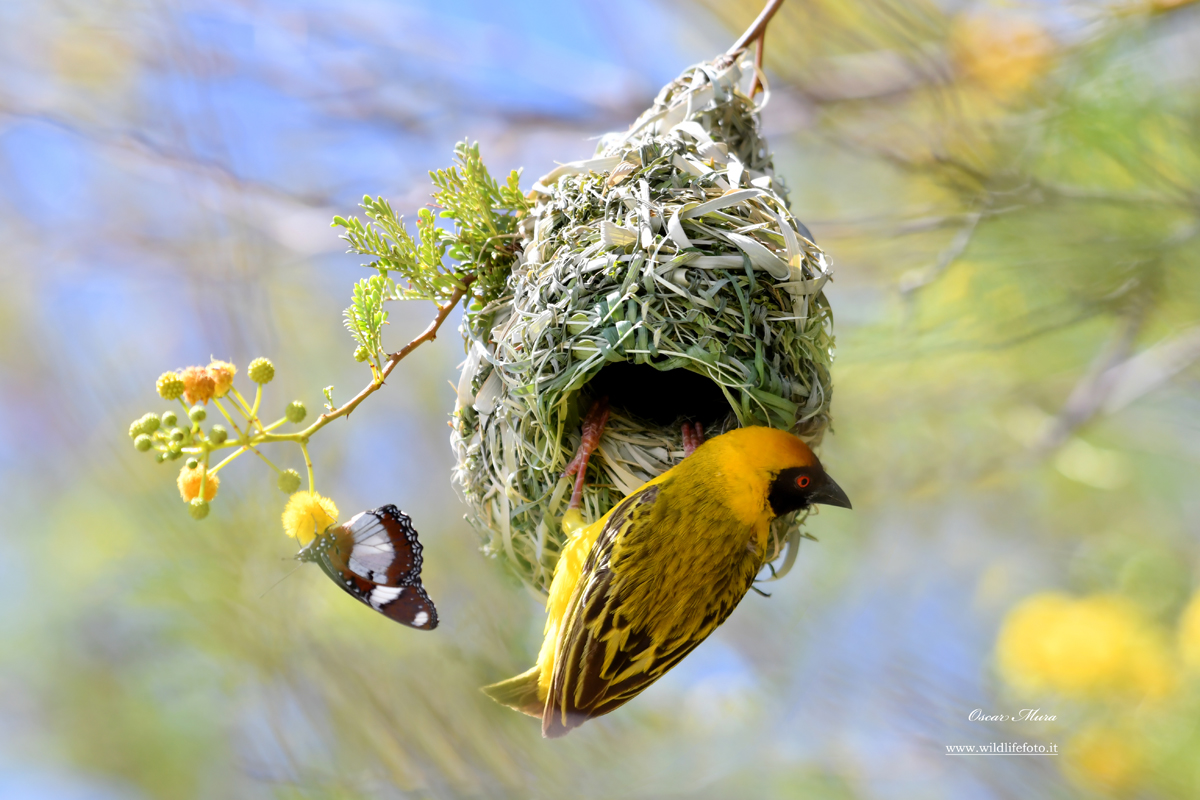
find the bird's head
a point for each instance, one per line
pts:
(794, 475)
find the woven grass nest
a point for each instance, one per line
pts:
(666, 273)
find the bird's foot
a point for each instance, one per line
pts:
(693, 437)
(593, 426)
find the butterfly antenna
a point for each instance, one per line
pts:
(281, 580)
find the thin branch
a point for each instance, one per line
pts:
(757, 29)
(758, 63)
(1094, 387)
(957, 247)
(429, 334)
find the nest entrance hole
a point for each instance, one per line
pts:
(660, 397)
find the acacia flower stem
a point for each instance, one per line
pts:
(204, 475)
(228, 418)
(245, 446)
(240, 402)
(264, 458)
(229, 458)
(251, 414)
(428, 335)
(308, 464)
(275, 424)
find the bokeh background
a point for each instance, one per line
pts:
(1011, 194)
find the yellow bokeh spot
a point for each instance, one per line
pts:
(1093, 647)
(1189, 633)
(308, 514)
(1103, 758)
(1169, 5)
(1000, 53)
(91, 57)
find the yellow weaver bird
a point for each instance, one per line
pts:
(637, 590)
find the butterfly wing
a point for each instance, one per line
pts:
(376, 558)
(409, 606)
(384, 548)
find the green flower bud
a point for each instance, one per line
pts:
(177, 435)
(289, 481)
(361, 353)
(170, 386)
(261, 370)
(217, 434)
(160, 458)
(198, 508)
(197, 414)
(169, 419)
(150, 423)
(295, 412)
(192, 463)
(173, 454)
(143, 442)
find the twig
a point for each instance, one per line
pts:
(1094, 387)
(756, 29)
(429, 334)
(957, 247)
(758, 62)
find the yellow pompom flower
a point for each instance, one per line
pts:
(222, 373)
(307, 514)
(189, 483)
(1092, 647)
(198, 385)
(1189, 633)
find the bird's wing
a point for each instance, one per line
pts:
(606, 655)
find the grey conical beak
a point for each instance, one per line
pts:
(829, 494)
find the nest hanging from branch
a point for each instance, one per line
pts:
(666, 273)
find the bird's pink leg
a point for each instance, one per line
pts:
(593, 426)
(693, 437)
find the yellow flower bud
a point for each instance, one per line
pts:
(295, 412)
(288, 481)
(308, 514)
(261, 370)
(170, 386)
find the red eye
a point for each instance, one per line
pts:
(802, 481)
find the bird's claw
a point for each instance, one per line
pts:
(593, 426)
(693, 437)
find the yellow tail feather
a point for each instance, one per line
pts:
(519, 692)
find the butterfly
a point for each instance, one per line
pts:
(377, 559)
